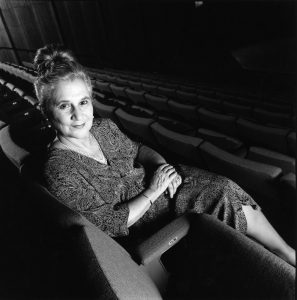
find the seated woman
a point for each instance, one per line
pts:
(97, 170)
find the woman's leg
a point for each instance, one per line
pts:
(259, 228)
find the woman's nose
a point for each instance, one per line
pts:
(76, 113)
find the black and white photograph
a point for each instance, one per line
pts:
(148, 149)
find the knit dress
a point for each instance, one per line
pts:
(100, 192)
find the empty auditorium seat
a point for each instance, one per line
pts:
(158, 103)
(166, 91)
(259, 135)
(247, 101)
(274, 107)
(220, 122)
(209, 102)
(136, 126)
(285, 162)
(145, 110)
(237, 109)
(188, 89)
(122, 82)
(118, 91)
(268, 117)
(150, 88)
(186, 111)
(111, 78)
(186, 97)
(222, 141)
(259, 179)
(105, 110)
(103, 87)
(291, 139)
(136, 85)
(176, 125)
(136, 96)
(185, 147)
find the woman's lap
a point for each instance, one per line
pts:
(210, 193)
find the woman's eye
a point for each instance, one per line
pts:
(63, 106)
(84, 102)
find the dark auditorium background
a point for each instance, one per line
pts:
(235, 56)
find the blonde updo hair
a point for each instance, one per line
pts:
(54, 64)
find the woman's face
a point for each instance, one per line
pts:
(72, 109)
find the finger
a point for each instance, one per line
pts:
(178, 180)
(172, 174)
(168, 168)
(170, 190)
(161, 167)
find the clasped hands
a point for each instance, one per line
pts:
(166, 179)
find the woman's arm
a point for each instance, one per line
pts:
(149, 157)
(163, 176)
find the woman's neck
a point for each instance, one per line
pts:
(84, 143)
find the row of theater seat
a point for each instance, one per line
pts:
(166, 85)
(107, 271)
(260, 140)
(281, 115)
(245, 129)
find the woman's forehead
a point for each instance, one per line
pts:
(71, 89)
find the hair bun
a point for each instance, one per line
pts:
(51, 56)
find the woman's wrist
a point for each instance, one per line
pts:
(150, 194)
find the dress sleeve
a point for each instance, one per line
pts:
(71, 188)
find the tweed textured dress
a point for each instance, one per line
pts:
(100, 192)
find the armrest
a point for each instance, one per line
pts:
(163, 240)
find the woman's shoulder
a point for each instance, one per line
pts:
(103, 125)
(57, 160)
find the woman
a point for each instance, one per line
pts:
(115, 182)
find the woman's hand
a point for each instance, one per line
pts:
(174, 184)
(162, 178)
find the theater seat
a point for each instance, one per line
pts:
(122, 82)
(268, 117)
(136, 85)
(268, 137)
(136, 126)
(217, 121)
(237, 109)
(118, 91)
(222, 141)
(188, 89)
(210, 103)
(274, 107)
(259, 179)
(166, 91)
(18, 142)
(105, 110)
(185, 147)
(186, 97)
(185, 110)
(150, 88)
(285, 162)
(136, 96)
(176, 125)
(158, 103)
(103, 87)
